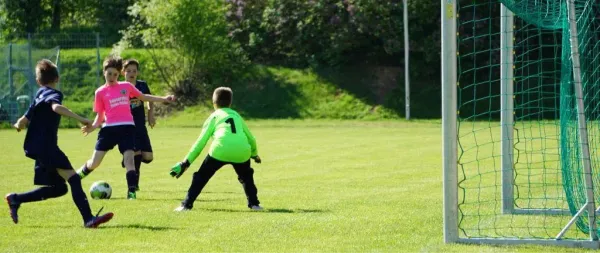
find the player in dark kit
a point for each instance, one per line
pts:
(142, 147)
(52, 167)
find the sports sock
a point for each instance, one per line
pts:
(138, 163)
(43, 193)
(131, 177)
(84, 171)
(80, 198)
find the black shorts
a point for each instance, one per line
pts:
(110, 136)
(142, 140)
(46, 165)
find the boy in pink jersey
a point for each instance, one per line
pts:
(113, 113)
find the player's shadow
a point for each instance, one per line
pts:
(52, 226)
(266, 210)
(223, 192)
(139, 226)
(173, 199)
(149, 199)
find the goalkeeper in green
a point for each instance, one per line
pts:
(232, 144)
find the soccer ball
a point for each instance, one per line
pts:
(100, 190)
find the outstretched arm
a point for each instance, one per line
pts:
(157, 99)
(252, 142)
(96, 124)
(207, 131)
(64, 111)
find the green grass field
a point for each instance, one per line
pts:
(327, 186)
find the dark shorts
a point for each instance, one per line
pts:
(46, 165)
(110, 136)
(142, 140)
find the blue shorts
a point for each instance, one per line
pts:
(110, 136)
(46, 165)
(142, 140)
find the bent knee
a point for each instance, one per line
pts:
(60, 189)
(147, 157)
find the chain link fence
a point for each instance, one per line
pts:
(19, 55)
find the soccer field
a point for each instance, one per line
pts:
(326, 186)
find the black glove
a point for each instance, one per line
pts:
(178, 169)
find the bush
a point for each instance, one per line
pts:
(194, 33)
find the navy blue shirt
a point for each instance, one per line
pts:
(137, 106)
(42, 133)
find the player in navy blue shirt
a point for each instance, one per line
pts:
(52, 167)
(142, 147)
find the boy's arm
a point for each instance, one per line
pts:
(98, 120)
(88, 128)
(24, 120)
(251, 140)
(157, 99)
(64, 111)
(149, 98)
(207, 131)
(21, 123)
(151, 119)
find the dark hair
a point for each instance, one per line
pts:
(113, 62)
(222, 97)
(46, 72)
(131, 62)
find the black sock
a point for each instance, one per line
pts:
(43, 193)
(80, 198)
(131, 177)
(137, 160)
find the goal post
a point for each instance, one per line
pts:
(520, 87)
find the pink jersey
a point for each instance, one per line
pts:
(113, 101)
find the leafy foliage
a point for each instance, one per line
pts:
(200, 52)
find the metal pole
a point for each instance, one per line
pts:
(11, 85)
(32, 86)
(449, 121)
(581, 121)
(406, 62)
(98, 64)
(10, 74)
(507, 107)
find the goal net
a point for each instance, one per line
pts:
(521, 107)
(17, 77)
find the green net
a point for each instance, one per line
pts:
(17, 77)
(547, 172)
(588, 26)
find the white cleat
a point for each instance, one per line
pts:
(181, 209)
(257, 208)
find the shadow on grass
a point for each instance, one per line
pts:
(174, 199)
(53, 226)
(139, 226)
(266, 210)
(150, 199)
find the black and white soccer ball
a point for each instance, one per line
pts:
(100, 190)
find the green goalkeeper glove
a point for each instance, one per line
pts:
(178, 169)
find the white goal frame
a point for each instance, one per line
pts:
(449, 56)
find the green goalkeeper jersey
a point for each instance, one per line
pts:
(232, 140)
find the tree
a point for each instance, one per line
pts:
(187, 39)
(56, 7)
(23, 16)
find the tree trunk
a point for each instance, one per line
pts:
(56, 16)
